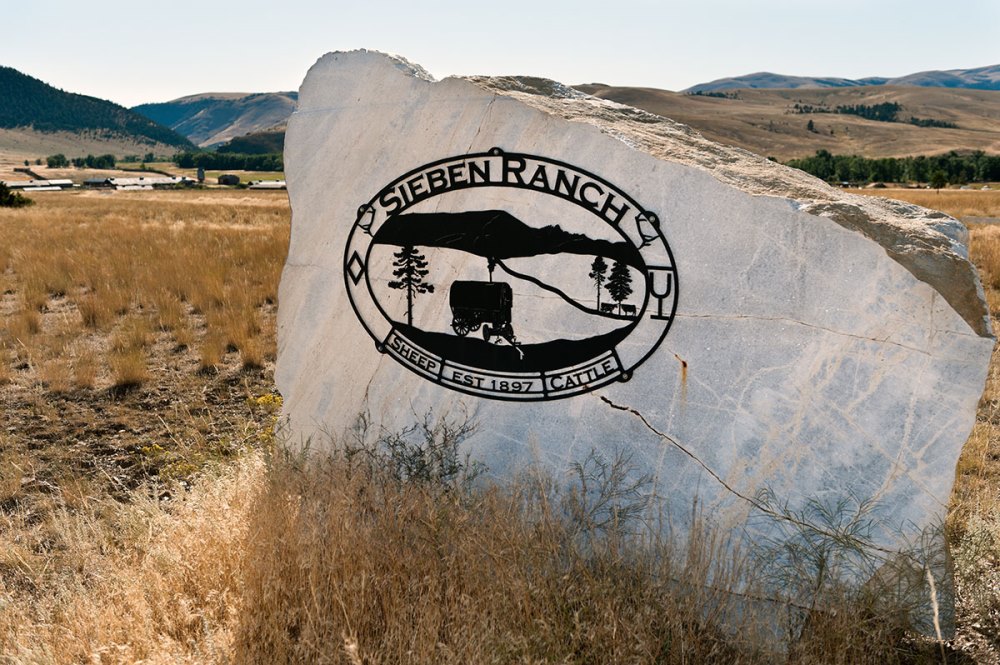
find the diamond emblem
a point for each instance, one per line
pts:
(355, 268)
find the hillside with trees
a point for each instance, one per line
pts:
(26, 102)
(257, 143)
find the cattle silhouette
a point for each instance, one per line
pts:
(628, 309)
(607, 308)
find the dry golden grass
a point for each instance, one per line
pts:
(333, 563)
(161, 555)
(956, 202)
(201, 267)
(349, 565)
(146, 581)
(85, 370)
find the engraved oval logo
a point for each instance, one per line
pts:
(511, 276)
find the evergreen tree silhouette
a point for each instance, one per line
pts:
(411, 269)
(619, 283)
(597, 271)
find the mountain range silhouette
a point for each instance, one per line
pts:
(497, 234)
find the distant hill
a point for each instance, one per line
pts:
(980, 78)
(771, 80)
(770, 122)
(497, 234)
(211, 119)
(29, 106)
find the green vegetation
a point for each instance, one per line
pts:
(707, 93)
(229, 161)
(28, 102)
(260, 143)
(884, 112)
(59, 161)
(9, 199)
(956, 168)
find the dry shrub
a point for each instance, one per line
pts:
(148, 581)
(85, 370)
(977, 572)
(170, 311)
(24, 324)
(134, 334)
(377, 562)
(183, 337)
(5, 360)
(128, 368)
(251, 353)
(56, 376)
(387, 558)
(343, 560)
(95, 312)
(984, 250)
(213, 347)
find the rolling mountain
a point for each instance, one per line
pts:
(29, 107)
(773, 122)
(980, 78)
(497, 234)
(211, 119)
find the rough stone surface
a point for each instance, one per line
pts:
(823, 345)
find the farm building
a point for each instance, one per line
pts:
(268, 184)
(140, 183)
(38, 185)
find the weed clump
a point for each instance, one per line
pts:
(10, 199)
(395, 549)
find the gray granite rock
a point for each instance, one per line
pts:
(781, 338)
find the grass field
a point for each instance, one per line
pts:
(144, 516)
(959, 203)
(126, 170)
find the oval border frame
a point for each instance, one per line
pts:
(389, 340)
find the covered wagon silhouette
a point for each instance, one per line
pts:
(486, 304)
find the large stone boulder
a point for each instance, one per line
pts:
(575, 274)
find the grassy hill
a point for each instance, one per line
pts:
(256, 143)
(29, 105)
(979, 78)
(211, 119)
(766, 121)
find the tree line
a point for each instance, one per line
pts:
(883, 112)
(951, 168)
(229, 161)
(60, 161)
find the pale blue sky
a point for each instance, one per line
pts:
(150, 52)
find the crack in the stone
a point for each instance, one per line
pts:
(841, 333)
(482, 121)
(748, 499)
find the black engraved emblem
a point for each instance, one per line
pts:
(561, 284)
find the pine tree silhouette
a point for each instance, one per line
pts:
(411, 269)
(597, 271)
(619, 283)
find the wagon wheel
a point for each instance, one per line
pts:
(461, 327)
